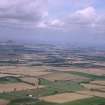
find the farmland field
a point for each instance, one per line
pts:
(60, 86)
(15, 87)
(57, 76)
(94, 71)
(29, 80)
(92, 93)
(27, 71)
(4, 75)
(91, 76)
(93, 86)
(9, 79)
(65, 97)
(87, 101)
(98, 82)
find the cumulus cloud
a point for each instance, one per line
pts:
(55, 23)
(88, 13)
(81, 19)
(86, 19)
(23, 11)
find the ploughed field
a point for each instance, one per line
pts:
(57, 76)
(24, 71)
(65, 97)
(16, 87)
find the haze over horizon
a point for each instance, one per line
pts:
(78, 22)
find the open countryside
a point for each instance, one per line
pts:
(51, 78)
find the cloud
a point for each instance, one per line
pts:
(23, 11)
(83, 16)
(88, 13)
(35, 13)
(81, 19)
(86, 19)
(57, 23)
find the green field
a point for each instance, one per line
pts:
(9, 79)
(60, 86)
(91, 76)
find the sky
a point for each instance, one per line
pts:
(56, 21)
